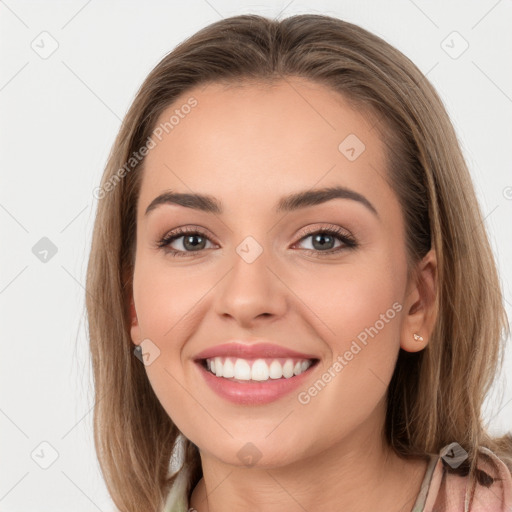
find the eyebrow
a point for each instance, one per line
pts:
(292, 202)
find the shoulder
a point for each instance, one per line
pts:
(449, 491)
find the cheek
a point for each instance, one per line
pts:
(354, 298)
(363, 318)
(171, 302)
(166, 300)
(165, 295)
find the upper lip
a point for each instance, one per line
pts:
(251, 351)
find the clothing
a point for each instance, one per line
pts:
(441, 491)
(177, 497)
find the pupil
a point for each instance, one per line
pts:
(189, 244)
(318, 239)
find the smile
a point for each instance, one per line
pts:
(259, 370)
(255, 381)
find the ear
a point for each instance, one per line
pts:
(134, 328)
(420, 305)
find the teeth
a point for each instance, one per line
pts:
(261, 371)
(288, 368)
(218, 367)
(242, 370)
(228, 370)
(275, 370)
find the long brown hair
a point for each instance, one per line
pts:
(435, 396)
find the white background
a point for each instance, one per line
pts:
(58, 120)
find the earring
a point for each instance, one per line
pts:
(417, 337)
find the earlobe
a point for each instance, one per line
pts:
(421, 307)
(415, 343)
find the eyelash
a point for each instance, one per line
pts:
(348, 241)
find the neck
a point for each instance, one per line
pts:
(357, 474)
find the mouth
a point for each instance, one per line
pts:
(248, 373)
(243, 370)
(255, 382)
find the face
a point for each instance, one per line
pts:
(325, 277)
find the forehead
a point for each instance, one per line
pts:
(266, 138)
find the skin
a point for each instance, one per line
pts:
(232, 145)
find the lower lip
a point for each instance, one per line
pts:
(251, 392)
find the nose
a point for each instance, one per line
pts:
(252, 292)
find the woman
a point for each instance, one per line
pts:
(312, 341)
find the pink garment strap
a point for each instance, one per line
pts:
(449, 492)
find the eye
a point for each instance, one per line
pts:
(194, 241)
(323, 241)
